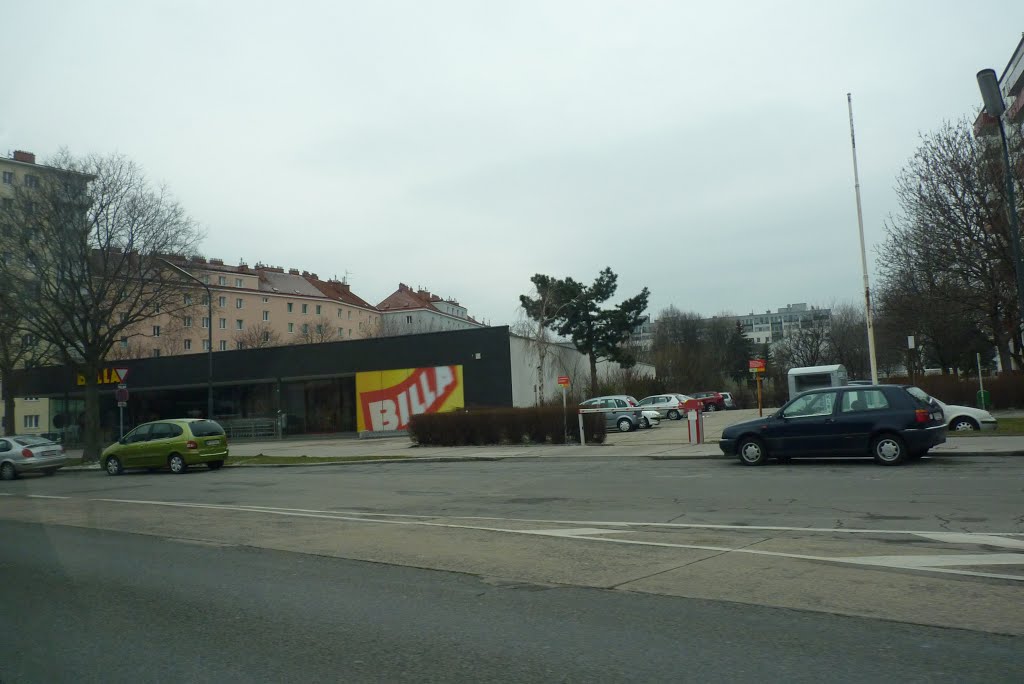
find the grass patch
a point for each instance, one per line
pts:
(298, 460)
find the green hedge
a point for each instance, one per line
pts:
(542, 425)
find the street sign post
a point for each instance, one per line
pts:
(757, 367)
(121, 395)
(563, 380)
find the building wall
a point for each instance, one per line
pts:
(559, 359)
(183, 332)
(414, 321)
(31, 415)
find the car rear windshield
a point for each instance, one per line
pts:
(32, 441)
(206, 428)
(920, 395)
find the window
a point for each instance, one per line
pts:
(187, 322)
(341, 333)
(305, 328)
(8, 204)
(31, 420)
(239, 324)
(305, 308)
(350, 315)
(124, 343)
(31, 181)
(408, 319)
(319, 329)
(156, 331)
(317, 309)
(205, 300)
(155, 353)
(360, 325)
(188, 300)
(266, 335)
(206, 345)
(222, 323)
(222, 301)
(206, 322)
(223, 345)
(8, 178)
(339, 313)
(266, 315)
(816, 404)
(222, 280)
(206, 278)
(239, 282)
(239, 344)
(239, 303)
(863, 400)
(350, 332)
(266, 299)
(291, 327)
(188, 345)
(290, 307)
(124, 317)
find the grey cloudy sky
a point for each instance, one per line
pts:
(700, 149)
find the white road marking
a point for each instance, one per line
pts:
(962, 538)
(918, 561)
(43, 496)
(572, 531)
(579, 535)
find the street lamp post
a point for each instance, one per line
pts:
(994, 105)
(209, 336)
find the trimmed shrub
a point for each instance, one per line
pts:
(544, 425)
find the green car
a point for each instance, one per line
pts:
(174, 444)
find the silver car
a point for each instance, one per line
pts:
(29, 454)
(669, 405)
(622, 414)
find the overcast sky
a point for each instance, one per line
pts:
(699, 149)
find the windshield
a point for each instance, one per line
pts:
(919, 394)
(206, 428)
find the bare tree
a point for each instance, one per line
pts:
(804, 347)
(86, 245)
(949, 247)
(258, 336)
(319, 330)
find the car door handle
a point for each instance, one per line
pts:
(830, 420)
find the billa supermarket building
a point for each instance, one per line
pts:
(364, 385)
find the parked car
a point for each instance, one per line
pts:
(29, 454)
(626, 417)
(668, 406)
(730, 403)
(650, 418)
(174, 444)
(713, 401)
(959, 418)
(887, 422)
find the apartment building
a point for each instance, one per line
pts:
(31, 415)
(774, 326)
(407, 311)
(252, 307)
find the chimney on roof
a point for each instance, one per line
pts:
(344, 287)
(423, 293)
(402, 287)
(199, 259)
(293, 271)
(22, 156)
(217, 262)
(313, 276)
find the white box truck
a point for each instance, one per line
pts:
(813, 377)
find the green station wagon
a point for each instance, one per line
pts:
(174, 444)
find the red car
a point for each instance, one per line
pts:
(713, 401)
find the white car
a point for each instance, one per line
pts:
(650, 418)
(668, 405)
(959, 418)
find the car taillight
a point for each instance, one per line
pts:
(921, 415)
(26, 453)
(191, 444)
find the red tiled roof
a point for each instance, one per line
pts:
(339, 291)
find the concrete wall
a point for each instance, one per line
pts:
(559, 359)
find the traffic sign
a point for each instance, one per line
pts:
(563, 380)
(757, 365)
(121, 394)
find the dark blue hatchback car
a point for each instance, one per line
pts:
(882, 421)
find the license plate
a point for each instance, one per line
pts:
(49, 453)
(212, 442)
(936, 416)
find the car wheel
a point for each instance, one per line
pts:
(50, 471)
(214, 465)
(889, 449)
(751, 451)
(963, 424)
(113, 465)
(7, 472)
(644, 423)
(711, 407)
(625, 425)
(176, 462)
(673, 415)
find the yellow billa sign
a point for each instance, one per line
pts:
(108, 376)
(388, 399)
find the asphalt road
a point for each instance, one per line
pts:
(86, 605)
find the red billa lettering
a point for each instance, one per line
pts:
(424, 391)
